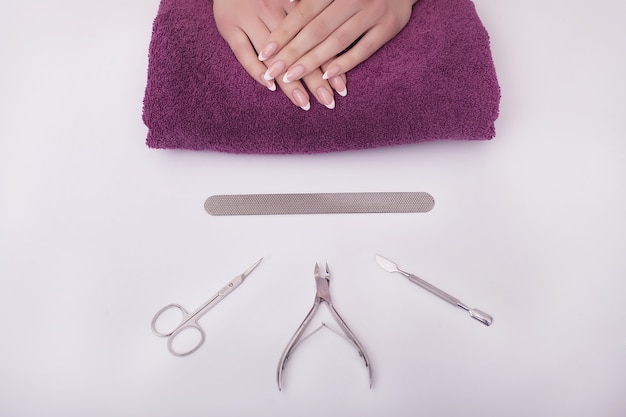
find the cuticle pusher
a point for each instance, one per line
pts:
(479, 315)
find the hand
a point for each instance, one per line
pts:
(316, 31)
(246, 24)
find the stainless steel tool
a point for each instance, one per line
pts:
(479, 315)
(319, 203)
(322, 281)
(189, 321)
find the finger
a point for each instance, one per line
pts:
(303, 13)
(338, 32)
(338, 83)
(320, 88)
(371, 41)
(244, 52)
(374, 37)
(295, 92)
(318, 33)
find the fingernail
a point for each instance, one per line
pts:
(267, 51)
(339, 85)
(301, 99)
(326, 97)
(270, 84)
(331, 72)
(273, 70)
(293, 74)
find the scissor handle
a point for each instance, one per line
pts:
(191, 325)
(187, 323)
(184, 313)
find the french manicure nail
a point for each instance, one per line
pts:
(331, 72)
(267, 51)
(339, 85)
(301, 99)
(273, 70)
(270, 84)
(293, 74)
(326, 97)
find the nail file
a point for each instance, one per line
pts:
(319, 203)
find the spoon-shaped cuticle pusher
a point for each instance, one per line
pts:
(389, 266)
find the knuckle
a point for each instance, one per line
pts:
(379, 8)
(317, 30)
(290, 53)
(359, 3)
(263, 5)
(343, 40)
(395, 22)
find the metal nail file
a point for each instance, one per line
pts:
(319, 203)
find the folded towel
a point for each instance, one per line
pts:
(434, 80)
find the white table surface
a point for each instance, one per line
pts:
(97, 232)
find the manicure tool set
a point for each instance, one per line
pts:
(324, 203)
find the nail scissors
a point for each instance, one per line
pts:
(189, 321)
(323, 294)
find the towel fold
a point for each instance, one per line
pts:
(434, 80)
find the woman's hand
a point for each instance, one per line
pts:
(246, 25)
(316, 31)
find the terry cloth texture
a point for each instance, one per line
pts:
(434, 80)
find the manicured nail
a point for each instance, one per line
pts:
(339, 85)
(270, 84)
(301, 99)
(293, 74)
(331, 72)
(326, 97)
(267, 51)
(273, 70)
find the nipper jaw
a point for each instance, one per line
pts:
(323, 284)
(323, 294)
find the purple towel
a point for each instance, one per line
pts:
(434, 80)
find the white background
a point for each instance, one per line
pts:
(97, 232)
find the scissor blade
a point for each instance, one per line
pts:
(235, 282)
(249, 270)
